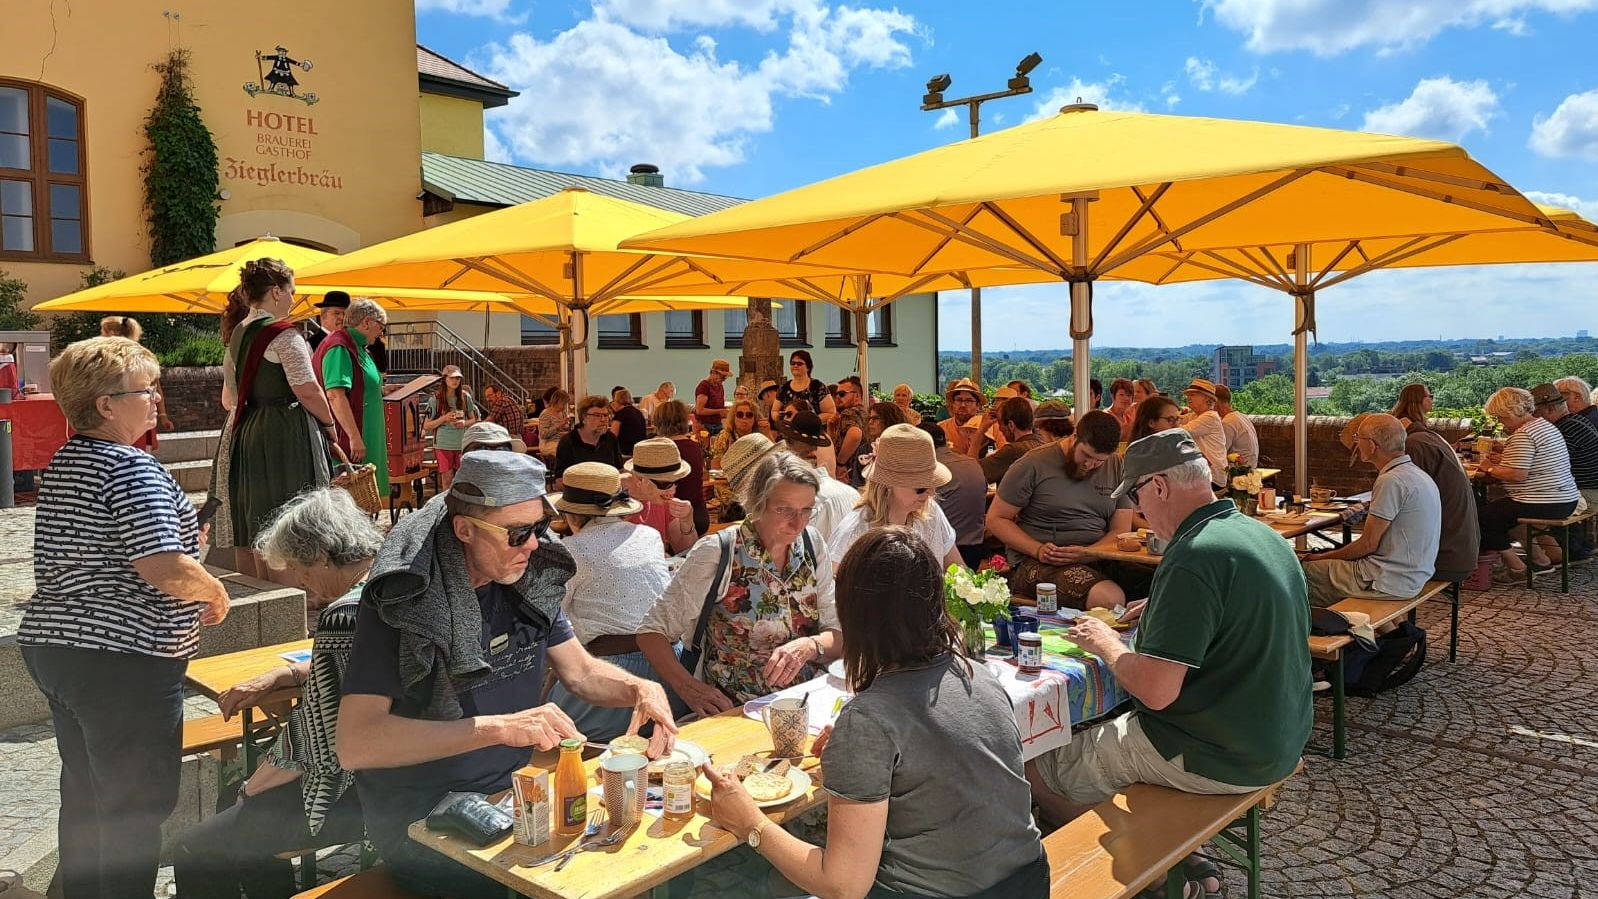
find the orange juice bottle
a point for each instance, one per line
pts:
(571, 790)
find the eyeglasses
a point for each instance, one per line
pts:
(743, 415)
(1173, 418)
(603, 416)
(794, 514)
(515, 535)
(149, 393)
(1132, 494)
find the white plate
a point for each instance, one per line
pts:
(836, 670)
(801, 786)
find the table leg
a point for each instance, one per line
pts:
(1339, 745)
(1175, 883)
(1453, 619)
(1564, 559)
(1254, 853)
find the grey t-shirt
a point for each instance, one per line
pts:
(964, 499)
(1056, 509)
(942, 747)
(1407, 497)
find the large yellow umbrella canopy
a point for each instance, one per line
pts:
(194, 285)
(561, 249)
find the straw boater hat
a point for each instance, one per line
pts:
(905, 457)
(963, 385)
(594, 488)
(1201, 386)
(743, 455)
(767, 386)
(658, 459)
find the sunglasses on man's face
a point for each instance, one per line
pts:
(516, 534)
(663, 485)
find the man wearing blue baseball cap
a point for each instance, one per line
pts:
(441, 694)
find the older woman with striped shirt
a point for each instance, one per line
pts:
(116, 615)
(1534, 469)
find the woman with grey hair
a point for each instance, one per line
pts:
(343, 362)
(1534, 468)
(752, 604)
(299, 798)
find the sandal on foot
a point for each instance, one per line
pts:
(1198, 869)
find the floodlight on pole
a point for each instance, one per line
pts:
(933, 100)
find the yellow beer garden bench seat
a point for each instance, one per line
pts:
(1132, 840)
(1330, 648)
(370, 884)
(1559, 529)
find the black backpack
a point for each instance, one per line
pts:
(1398, 656)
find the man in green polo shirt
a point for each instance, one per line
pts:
(1219, 675)
(354, 386)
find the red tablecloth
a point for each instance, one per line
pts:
(38, 429)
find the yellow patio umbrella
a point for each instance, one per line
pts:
(200, 284)
(561, 249)
(1084, 195)
(1302, 270)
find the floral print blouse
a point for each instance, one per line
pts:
(760, 608)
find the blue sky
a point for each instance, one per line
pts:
(751, 97)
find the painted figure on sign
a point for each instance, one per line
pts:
(281, 78)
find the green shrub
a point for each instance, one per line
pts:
(197, 349)
(13, 317)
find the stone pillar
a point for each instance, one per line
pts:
(761, 359)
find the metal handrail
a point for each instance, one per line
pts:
(425, 347)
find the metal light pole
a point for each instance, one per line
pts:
(933, 100)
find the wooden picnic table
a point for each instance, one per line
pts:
(216, 675)
(658, 850)
(1107, 547)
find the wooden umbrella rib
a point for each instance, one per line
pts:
(1177, 261)
(653, 278)
(847, 230)
(1407, 171)
(909, 288)
(1281, 270)
(1206, 218)
(943, 241)
(1441, 197)
(1025, 235)
(982, 241)
(800, 285)
(1231, 268)
(1330, 267)
(1146, 208)
(1392, 257)
(511, 275)
(641, 260)
(1259, 266)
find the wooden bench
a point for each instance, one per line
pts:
(1126, 843)
(212, 734)
(1381, 612)
(1559, 529)
(372, 884)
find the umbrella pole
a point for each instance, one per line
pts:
(860, 353)
(1081, 310)
(1303, 321)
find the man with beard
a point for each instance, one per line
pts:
(460, 615)
(1057, 499)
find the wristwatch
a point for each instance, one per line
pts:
(753, 839)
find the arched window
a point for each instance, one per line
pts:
(44, 208)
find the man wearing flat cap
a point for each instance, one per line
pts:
(1220, 679)
(460, 614)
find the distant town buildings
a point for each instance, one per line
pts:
(1235, 366)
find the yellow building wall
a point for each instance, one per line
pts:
(452, 126)
(340, 173)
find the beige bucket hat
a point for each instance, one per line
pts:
(905, 457)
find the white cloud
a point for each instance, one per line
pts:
(1203, 74)
(1330, 27)
(1168, 91)
(494, 149)
(1587, 209)
(493, 9)
(667, 15)
(1571, 131)
(1440, 108)
(1100, 93)
(946, 119)
(603, 95)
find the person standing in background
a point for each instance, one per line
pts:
(334, 306)
(1239, 431)
(710, 397)
(128, 327)
(449, 413)
(354, 387)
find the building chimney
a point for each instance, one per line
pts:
(646, 175)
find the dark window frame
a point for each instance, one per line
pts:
(693, 341)
(40, 178)
(632, 340)
(844, 337)
(538, 338)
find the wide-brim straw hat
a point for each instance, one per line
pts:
(905, 457)
(743, 455)
(594, 488)
(658, 459)
(963, 385)
(1201, 386)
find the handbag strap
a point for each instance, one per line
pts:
(726, 538)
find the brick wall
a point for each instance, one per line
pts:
(535, 368)
(194, 397)
(1328, 460)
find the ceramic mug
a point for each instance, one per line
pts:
(788, 721)
(623, 779)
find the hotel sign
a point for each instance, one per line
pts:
(284, 148)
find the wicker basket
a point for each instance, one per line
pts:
(361, 483)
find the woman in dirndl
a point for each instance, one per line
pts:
(276, 441)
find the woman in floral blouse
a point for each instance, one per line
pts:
(771, 619)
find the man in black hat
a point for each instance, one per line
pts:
(805, 434)
(1220, 677)
(334, 306)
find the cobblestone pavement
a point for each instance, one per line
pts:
(1475, 779)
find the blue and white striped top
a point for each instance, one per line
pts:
(102, 506)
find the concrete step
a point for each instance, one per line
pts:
(193, 476)
(187, 446)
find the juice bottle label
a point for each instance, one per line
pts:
(574, 810)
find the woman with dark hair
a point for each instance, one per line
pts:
(926, 732)
(671, 420)
(281, 419)
(1414, 406)
(802, 386)
(450, 411)
(1155, 414)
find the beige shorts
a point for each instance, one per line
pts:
(1103, 760)
(1331, 580)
